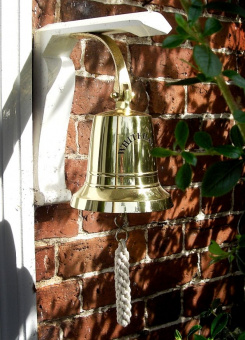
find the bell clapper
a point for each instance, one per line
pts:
(122, 282)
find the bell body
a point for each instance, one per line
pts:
(121, 175)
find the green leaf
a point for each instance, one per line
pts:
(203, 139)
(199, 337)
(204, 79)
(239, 81)
(239, 116)
(212, 26)
(227, 7)
(193, 330)
(161, 152)
(218, 324)
(216, 302)
(194, 11)
(181, 21)
(241, 241)
(173, 41)
(236, 137)
(235, 77)
(215, 249)
(181, 133)
(241, 336)
(189, 157)
(229, 73)
(182, 32)
(216, 259)
(221, 177)
(206, 313)
(229, 151)
(207, 61)
(177, 335)
(183, 177)
(200, 78)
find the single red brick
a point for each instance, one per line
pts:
(58, 301)
(213, 205)
(45, 262)
(56, 221)
(214, 270)
(92, 96)
(48, 332)
(164, 308)
(99, 291)
(229, 62)
(185, 204)
(154, 61)
(165, 99)
(228, 37)
(71, 138)
(97, 253)
(94, 222)
(136, 245)
(145, 218)
(164, 241)
(200, 233)
(76, 55)
(44, 13)
(154, 277)
(84, 132)
(198, 298)
(168, 168)
(164, 132)
(84, 9)
(203, 163)
(241, 65)
(241, 45)
(239, 197)
(238, 95)
(104, 325)
(36, 15)
(205, 98)
(101, 63)
(218, 129)
(76, 170)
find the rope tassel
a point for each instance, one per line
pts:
(122, 284)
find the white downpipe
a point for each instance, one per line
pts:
(17, 252)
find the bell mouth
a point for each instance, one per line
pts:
(121, 200)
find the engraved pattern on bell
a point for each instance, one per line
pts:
(121, 174)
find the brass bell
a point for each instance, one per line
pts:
(121, 174)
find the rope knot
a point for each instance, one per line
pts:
(122, 284)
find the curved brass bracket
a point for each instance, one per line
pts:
(122, 93)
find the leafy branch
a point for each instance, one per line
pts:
(222, 176)
(219, 325)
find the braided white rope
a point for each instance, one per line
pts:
(122, 284)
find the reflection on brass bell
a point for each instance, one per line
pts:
(121, 175)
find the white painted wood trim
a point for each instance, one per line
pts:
(18, 318)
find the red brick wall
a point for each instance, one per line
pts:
(170, 277)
